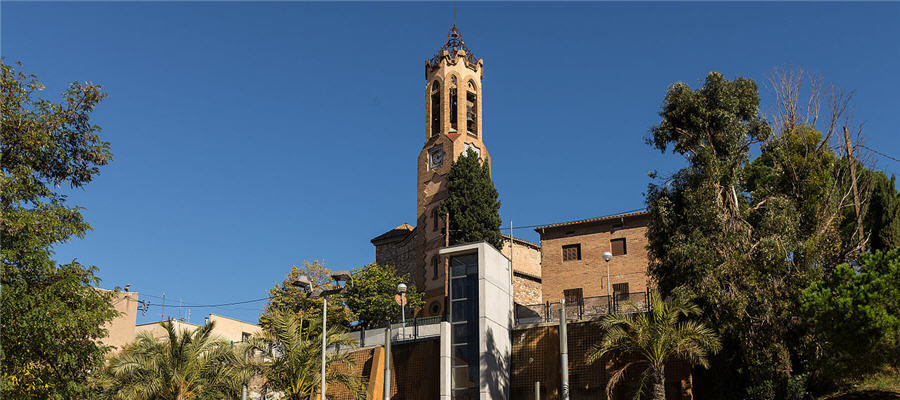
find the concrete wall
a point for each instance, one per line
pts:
(226, 328)
(495, 305)
(495, 320)
(232, 329)
(120, 331)
(156, 329)
(589, 273)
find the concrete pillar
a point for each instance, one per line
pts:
(445, 389)
(563, 352)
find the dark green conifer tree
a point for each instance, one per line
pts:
(473, 202)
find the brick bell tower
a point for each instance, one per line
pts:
(453, 121)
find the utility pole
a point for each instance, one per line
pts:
(324, 343)
(244, 385)
(512, 241)
(856, 205)
(446, 267)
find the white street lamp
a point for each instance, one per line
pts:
(608, 256)
(401, 289)
(304, 284)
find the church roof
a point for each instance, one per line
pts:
(523, 242)
(452, 47)
(397, 233)
(589, 220)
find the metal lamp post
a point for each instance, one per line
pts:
(401, 289)
(608, 256)
(304, 283)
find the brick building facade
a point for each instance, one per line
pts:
(572, 257)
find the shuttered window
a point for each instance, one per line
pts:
(571, 252)
(619, 248)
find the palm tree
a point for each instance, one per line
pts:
(185, 366)
(652, 339)
(288, 354)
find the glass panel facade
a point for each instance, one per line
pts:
(464, 325)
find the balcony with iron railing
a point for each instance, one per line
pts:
(587, 308)
(412, 329)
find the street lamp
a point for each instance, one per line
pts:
(608, 256)
(303, 283)
(401, 289)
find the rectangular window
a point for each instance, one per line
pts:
(436, 219)
(471, 112)
(619, 248)
(463, 320)
(573, 296)
(620, 290)
(454, 107)
(571, 252)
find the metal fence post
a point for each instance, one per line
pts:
(537, 390)
(387, 361)
(563, 352)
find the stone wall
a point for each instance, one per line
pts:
(526, 290)
(526, 260)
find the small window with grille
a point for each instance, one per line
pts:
(571, 252)
(619, 248)
(620, 290)
(573, 296)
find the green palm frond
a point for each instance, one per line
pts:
(291, 355)
(653, 339)
(183, 365)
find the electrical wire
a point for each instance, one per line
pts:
(878, 152)
(209, 305)
(269, 298)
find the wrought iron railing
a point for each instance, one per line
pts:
(413, 329)
(584, 309)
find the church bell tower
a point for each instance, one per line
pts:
(453, 124)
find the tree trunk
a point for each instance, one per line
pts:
(659, 384)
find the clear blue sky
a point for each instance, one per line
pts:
(248, 137)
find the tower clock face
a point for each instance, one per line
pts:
(437, 156)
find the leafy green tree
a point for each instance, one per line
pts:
(370, 297)
(472, 202)
(51, 319)
(856, 314)
(882, 212)
(289, 355)
(287, 297)
(746, 237)
(651, 340)
(184, 365)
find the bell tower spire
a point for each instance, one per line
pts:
(453, 125)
